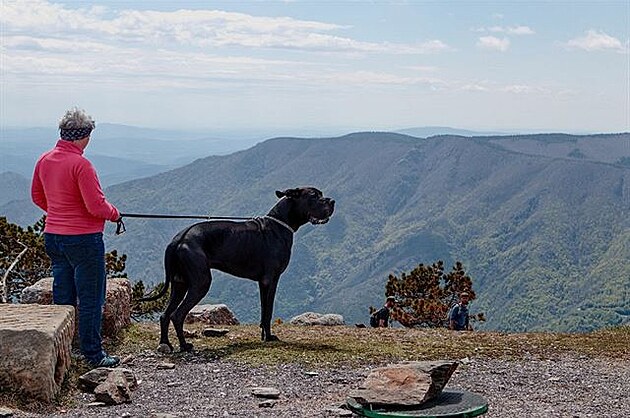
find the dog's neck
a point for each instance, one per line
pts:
(281, 211)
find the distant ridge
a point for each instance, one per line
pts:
(428, 131)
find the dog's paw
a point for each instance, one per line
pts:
(272, 337)
(186, 347)
(164, 348)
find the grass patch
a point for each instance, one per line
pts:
(322, 346)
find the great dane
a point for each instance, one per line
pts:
(258, 249)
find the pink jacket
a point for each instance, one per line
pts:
(66, 187)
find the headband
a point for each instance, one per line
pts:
(74, 134)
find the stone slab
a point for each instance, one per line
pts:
(35, 344)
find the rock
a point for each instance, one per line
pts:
(211, 315)
(90, 380)
(164, 349)
(191, 334)
(162, 415)
(313, 318)
(5, 412)
(114, 390)
(35, 348)
(95, 404)
(117, 312)
(269, 403)
(166, 366)
(214, 332)
(405, 384)
(339, 412)
(39, 293)
(311, 373)
(265, 392)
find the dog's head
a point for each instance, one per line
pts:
(310, 204)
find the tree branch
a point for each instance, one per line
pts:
(3, 286)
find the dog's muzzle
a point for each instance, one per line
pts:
(330, 207)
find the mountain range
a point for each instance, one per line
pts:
(540, 222)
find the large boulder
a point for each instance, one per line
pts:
(117, 312)
(35, 344)
(211, 315)
(313, 318)
(405, 384)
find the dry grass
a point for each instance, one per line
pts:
(348, 345)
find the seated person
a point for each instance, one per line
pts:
(458, 318)
(380, 318)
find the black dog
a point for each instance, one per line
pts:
(257, 249)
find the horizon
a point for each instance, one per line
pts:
(346, 66)
(333, 132)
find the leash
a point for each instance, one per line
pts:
(120, 225)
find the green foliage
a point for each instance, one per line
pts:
(115, 264)
(426, 294)
(32, 266)
(147, 310)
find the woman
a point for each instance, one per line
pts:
(66, 187)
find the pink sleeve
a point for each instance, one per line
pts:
(37, 190)
(93, 196)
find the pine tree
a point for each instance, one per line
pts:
(425, 295)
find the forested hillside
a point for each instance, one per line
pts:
(546, 238)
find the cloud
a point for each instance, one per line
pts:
(190, 28)
(493, 43)
(595, 40)
(510, 30)
(520, 30)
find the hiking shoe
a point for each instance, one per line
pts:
(107, 361)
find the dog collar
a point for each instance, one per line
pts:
(280, 222)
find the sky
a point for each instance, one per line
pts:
(517, 66)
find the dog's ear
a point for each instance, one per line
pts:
(279, 194)
(289, 193)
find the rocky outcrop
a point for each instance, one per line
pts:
(117, 312)
(35, 344)
(405, 384)
(212, 315)
(313, 318)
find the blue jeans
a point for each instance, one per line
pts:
(78, 264)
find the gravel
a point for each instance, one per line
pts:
(197, 387)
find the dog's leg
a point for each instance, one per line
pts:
(197, 275)
(178, 291)
(267, 289)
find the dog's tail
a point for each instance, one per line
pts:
(170, 267)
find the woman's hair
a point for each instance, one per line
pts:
(76, 124)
